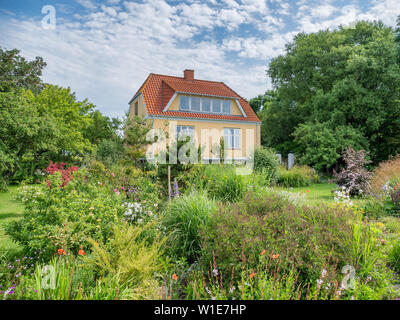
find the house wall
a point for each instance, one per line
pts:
(250, 135)
(141, 108)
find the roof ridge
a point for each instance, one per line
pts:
(182, 78)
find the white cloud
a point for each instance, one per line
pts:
(105, 52)
(88, 4)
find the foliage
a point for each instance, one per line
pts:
(135, 133)
(66, 173)
(18, 73)
(266, 161)
(386, 170)
(354, 177)
(394, 256)
(302, 237)
(102, 128)
(37, 129)
(109, 151)
(298, 176)
(64, 217)
(345, 80)
(131, 257)
(222, 183)
(183, 219)
(320, 145)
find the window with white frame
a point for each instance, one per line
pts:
(206, 105)
(182, 131)
(232, 138)
(184, 103)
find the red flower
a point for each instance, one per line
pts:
(81, 252)
(175, 277)
(61, 252)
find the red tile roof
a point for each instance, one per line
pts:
(156, 91)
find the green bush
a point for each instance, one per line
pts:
(222, 183)
(184, 217)
(64, 217)
(298, 176)
(305, 238)
(394, 256)
(132, 256)
(266, 161)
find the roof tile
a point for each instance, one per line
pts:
(152, 95)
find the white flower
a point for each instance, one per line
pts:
(215, 272)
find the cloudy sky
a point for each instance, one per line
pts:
(104, 50)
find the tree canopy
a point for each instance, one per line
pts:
(333, 89)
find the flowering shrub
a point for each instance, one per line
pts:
(65, 217)
(303, 236)
(66, 173)
(343, 196)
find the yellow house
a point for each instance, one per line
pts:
(204, 110)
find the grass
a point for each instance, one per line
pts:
(318, 193)
(10, 209)
(315, 193)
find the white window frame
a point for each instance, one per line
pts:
(188, 130)
(201, 110)
(230, 136)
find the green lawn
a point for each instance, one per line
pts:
(10, 209)
(315, 193)
(319, 193)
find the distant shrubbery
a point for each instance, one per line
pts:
(266, 162)
(298, 176)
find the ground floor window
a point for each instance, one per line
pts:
(232, 138)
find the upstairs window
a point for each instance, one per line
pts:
(232, 138)
(195, 104)
(226, 106)
(136, 109)
(184, 103)
(206, 105)
(216, 106)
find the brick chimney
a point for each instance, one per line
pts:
(188, 74)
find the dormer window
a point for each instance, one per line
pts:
(206, 105)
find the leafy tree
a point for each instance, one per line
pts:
(348, 78)
(26, 136)
(102, 128)
(16, 72)
(135, 131)
(320, 145)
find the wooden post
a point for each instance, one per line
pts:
(169, 182)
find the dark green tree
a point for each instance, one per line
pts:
(16, 72)
(346, 82)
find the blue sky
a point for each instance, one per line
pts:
(104, 50)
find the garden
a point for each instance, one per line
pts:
(98, 232)
(84, 217)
